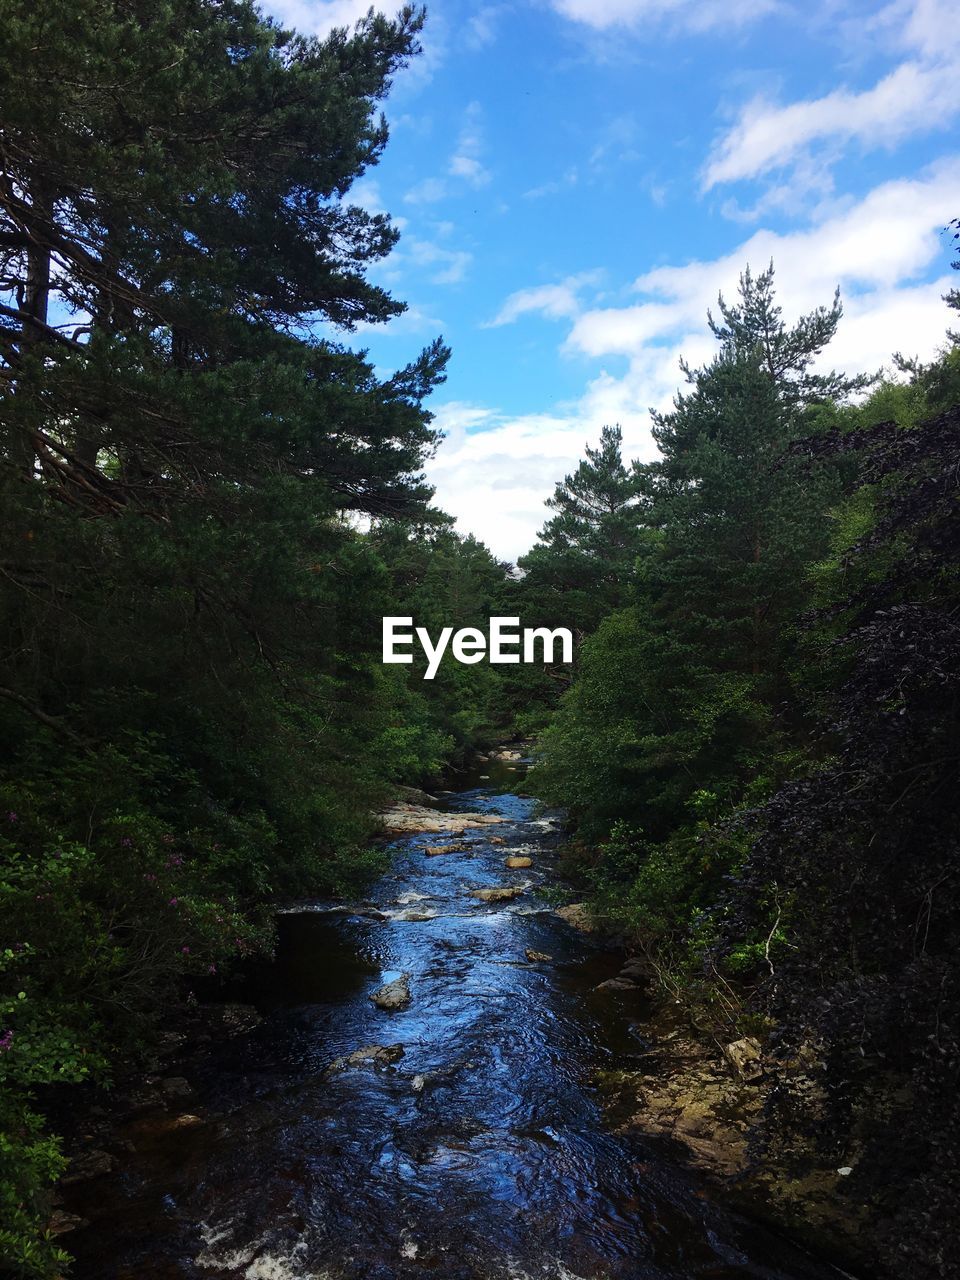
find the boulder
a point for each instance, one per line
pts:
(537, 957)
(61, 1222)
(379, 1055)
(187, 1121)
(518, 864)
(435, 850)
(393, 995)
(497, 895)
(578, 915)
(413, 795)
(87, 1165)
(496, 840)
(744, 1057)
(616, 984)
(410, 819)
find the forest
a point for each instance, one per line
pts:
(211, 498)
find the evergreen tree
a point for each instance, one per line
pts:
(733, 524)
(192, 707)
(740, 521)
(584, 559)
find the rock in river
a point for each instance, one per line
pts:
(537, 957)
(61, 1222)
(89, 1164)
(393, 995)
(408, 819)
(518, 864)
(497, 895)
(380, 1055)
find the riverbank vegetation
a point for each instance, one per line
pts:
(210, 500)
(760, 750)
(209, 503)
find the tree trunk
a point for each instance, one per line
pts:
(33, 308)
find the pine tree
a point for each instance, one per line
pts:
(585, 556)
(740, 519)
(173, 217)
(174, 222)
(733, 522)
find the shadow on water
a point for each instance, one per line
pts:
(478, 1153)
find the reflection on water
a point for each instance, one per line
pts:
(478, 1153)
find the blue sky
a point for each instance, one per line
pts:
(576, 179)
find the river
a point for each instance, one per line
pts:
(479, 1153)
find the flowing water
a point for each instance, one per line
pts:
(480, 1153)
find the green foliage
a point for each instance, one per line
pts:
(584, 559)
(760, 750)
(581, 568)
(688, 690)
(194, 716)
(29, 1162)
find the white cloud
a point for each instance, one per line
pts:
(318, 17)
(886, 241)
(691, 15)
(417, 259)
(921, 94)
(414, 322)
(556, 301)
(481, 29)
(496, 471)
(465, 162)
(464, 165)
(427, 191)
(911, 99)
(555, 186)
(439, 265)
(926, 27)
